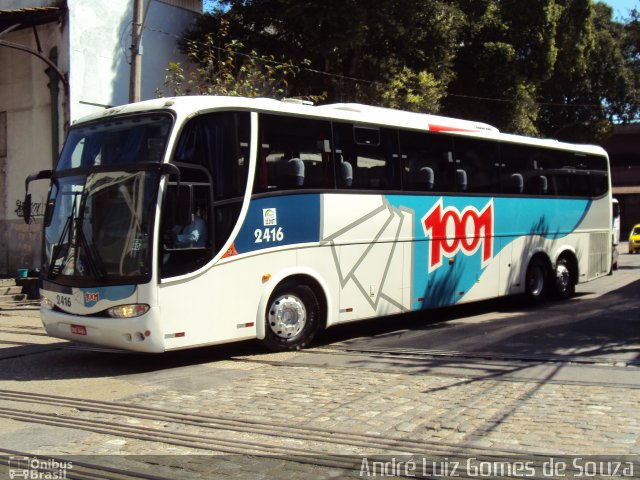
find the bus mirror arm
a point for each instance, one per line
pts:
(170, 169)
(26, 205)
(184, 203)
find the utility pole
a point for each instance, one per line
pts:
(136, 55)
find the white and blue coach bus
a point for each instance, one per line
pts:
(314, 215)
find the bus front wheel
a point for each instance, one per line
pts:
(537, 280)
(292, 317)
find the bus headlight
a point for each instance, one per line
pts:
(46, 303)
(128, 311)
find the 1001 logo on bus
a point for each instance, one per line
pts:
(452, 231)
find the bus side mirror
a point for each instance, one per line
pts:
(26, 208)
(26, 205)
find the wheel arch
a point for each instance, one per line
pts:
(296, 276)
(538, 253)
(569, 253)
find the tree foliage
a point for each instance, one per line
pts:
(560, 68)
(218, 66)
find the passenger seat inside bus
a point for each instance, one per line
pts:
(425, 178)
(290, 172)
(345, 174)
(517, 183)
(461, 180)
(537, 185)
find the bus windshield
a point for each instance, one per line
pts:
(116, 141)
(100, 226)
(99, 219)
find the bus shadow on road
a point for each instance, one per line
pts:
(67, 360)
(606, 328)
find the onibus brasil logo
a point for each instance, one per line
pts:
(452, 231)
(38, 468)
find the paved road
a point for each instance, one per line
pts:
(495, 381)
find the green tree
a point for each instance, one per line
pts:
(595, 82)
(507, 49)
(408, 90)
(218, 66)
(560, 68)
(355, 52)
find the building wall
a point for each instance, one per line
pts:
(100, 33)
(92, 45)
(623, 147)
(25, 97)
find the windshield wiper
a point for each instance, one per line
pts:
(55, 270)
(96, 265)
(71, 231)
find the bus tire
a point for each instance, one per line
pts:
(564, 275)
(292, 317)
(537, 280)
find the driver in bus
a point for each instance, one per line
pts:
(194, 234)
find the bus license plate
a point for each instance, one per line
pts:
(78, 329)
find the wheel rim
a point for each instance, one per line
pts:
(563, 277)
(535, 281)
(287, 316)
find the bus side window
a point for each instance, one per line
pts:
(366, 157)
(212, 154)
(479, 160)
(421, 154)
(517, 167)
(294, 154)
(599, 175)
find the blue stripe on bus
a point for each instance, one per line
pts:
(280, 220)
(512, 219)
(93, 295)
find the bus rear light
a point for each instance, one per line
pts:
(128, 311)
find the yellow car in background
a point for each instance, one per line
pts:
(634, 239)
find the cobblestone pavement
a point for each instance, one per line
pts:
(420, 413)
(532, 417)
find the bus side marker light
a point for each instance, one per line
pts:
(245, 325)
(175, 335)
(452, 261)
(266, 277)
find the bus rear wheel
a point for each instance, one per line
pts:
(537, 280)
(564, 285)
(292, 317)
